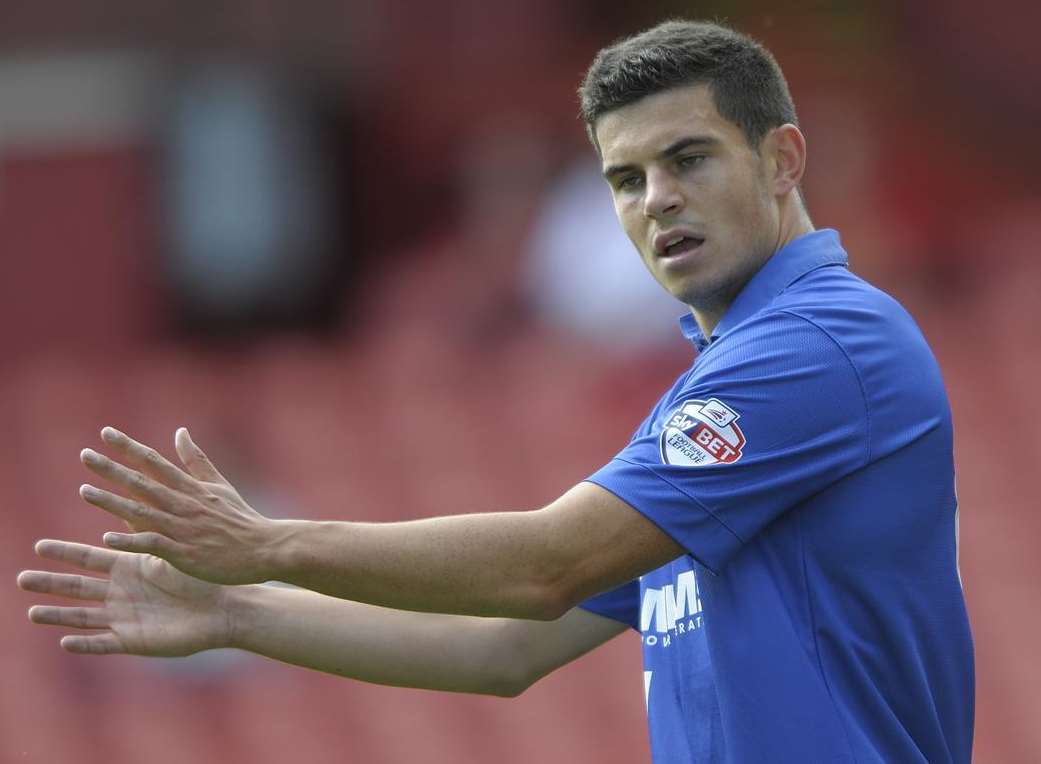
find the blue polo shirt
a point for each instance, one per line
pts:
(804, 463)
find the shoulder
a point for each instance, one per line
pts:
(779, 367)
(830, 328)
(787, 335)
(832, 305)
(849, 309)
(894, 367)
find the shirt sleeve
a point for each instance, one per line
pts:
(772, 414)
(619, 604)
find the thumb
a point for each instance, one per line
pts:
(193, 458)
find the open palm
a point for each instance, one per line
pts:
(145, 606)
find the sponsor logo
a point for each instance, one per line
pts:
(671, 611)
(700, 433)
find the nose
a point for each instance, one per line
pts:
(662, 195)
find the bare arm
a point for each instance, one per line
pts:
(142, 605)
(493, 656)
(537, 564)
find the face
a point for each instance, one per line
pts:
(691, 194)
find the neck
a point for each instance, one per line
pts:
(794, 222)
(708, 319)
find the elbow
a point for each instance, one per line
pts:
(552, 591)
(513, 677)
(549, 583)
(503, 672)
(549, 603)
(507, 688)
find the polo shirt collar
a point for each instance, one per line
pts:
(787, 265)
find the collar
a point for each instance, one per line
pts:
(786, 266)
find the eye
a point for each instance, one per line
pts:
(629, 182)
(690, 160)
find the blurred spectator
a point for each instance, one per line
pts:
(251, 230)
(585, 277)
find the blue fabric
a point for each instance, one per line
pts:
(805, 464)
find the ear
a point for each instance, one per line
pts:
(787, 147)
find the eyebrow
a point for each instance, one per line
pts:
(669, 151)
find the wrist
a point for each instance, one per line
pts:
(280, 549)
(241, 605)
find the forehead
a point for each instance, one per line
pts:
(642, 129)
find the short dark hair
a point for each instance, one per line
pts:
(747, 85)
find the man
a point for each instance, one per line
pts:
(781, 528)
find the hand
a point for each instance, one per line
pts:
(145, 606)
(193, 519)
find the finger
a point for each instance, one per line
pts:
(197, 463)
(143, 543)
(95, 558)
(93, 644)
(75, 617)
(136, 514)
(136, 483)
(63, 584)
(148, 460)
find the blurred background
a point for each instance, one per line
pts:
(360, 247)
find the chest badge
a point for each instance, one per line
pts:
(700, 433)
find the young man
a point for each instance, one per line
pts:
(781, 529)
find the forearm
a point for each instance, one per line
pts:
(528, 565)
(374, 644)
(495, 564)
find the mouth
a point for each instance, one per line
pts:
(680, 246)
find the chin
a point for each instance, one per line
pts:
(704, 296)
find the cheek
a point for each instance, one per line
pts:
(743, 209)
(733, 190)
(625, 206)
(632, 223)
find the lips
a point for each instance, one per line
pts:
(676, 242)
(683, 246)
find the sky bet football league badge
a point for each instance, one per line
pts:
(701, 433)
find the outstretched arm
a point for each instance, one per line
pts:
(139, 604)
(537, 564)
(492, 656)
